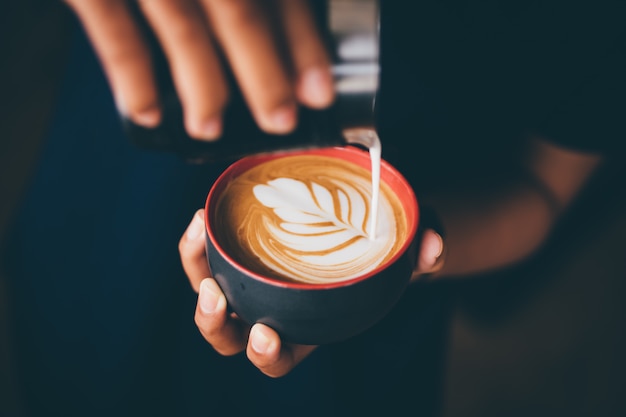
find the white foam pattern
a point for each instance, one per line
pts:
(318, 234)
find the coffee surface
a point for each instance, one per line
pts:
(305, 218)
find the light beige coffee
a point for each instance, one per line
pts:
(305, 218)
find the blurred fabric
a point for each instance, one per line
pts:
(32, 49)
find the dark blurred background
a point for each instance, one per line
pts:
(546, 338)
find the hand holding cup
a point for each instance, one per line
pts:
(304, 314)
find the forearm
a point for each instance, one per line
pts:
(492, 231)
(492, 228)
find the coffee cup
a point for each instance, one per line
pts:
(289, 241)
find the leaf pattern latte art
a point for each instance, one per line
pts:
(319, 233)
(309, 223)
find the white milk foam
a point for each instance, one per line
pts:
(318, 240)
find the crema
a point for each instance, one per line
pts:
(306, 218)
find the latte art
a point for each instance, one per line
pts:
(306, 219)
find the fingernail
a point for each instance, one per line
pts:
(436, 252)
(438, 249)
(195, 228)
(147, 118)
(209, 297)
(283, 119)
(317, 87)
(210, 129)
(259, 339)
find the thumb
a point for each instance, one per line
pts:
(430, 258)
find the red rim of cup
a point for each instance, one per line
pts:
(388, 173)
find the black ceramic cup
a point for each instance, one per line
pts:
(307, 313)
